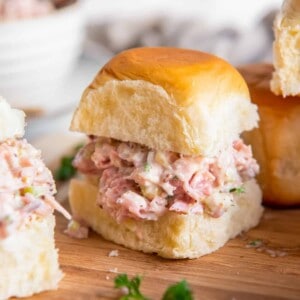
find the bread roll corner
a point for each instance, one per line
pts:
(29, 260)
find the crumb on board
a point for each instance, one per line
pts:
(261, 246)
(113, 253)
(254, 243)
(113, 270)
(76, 230)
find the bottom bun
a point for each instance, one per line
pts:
(173, 235)
(29, 260)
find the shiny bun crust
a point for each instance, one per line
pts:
(173, 235)
(276, 143)
(169, 99)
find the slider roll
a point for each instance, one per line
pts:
(165, 169)
(276, 143)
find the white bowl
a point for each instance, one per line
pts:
(36, 56)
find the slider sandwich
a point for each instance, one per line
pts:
(276, 92)
(276, 143)
(165, 170)
(28, 258)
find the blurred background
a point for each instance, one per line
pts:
(51, 49)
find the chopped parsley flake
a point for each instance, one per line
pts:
(180, 290)
(238, 190)
(255, 243)
(147, 167)
(132, 287)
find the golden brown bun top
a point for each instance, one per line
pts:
(258, 77)
(168, 99)
(183, 73)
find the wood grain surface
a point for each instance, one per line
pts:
(235, 272)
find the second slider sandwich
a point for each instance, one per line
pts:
(165, 170)
(276, 142)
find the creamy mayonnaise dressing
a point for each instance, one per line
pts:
(26, 186)
(142, 183)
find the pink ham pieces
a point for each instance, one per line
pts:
(142, 183)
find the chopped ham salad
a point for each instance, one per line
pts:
(26, 186)
(23, 9)
(142, 183)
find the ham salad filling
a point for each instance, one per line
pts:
(26, 186)
(23, 9)
(141, 183)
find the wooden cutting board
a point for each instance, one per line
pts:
(234, 272)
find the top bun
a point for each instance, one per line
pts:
(168, 99)
(12, 121)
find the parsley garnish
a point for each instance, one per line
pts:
(133, 287)
(255, 243)
(178, 291)
(66, 169)
(238, 190)
(147, 167)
